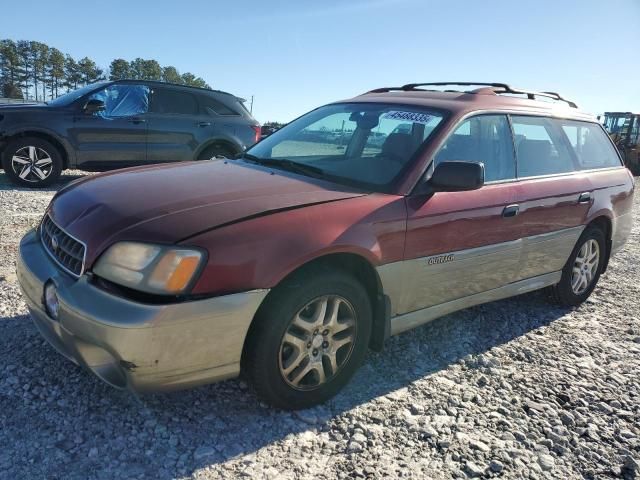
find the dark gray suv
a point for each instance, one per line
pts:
(118, 124)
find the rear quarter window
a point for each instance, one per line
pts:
(214, 107)
(590, 143)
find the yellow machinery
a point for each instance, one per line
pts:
(624, 129)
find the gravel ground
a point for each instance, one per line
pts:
(512, 389)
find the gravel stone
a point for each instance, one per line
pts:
(496, 466)
(518, 388)
(546, 461)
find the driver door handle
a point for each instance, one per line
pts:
(511, 211)
(584, 197)
(137, 120)
(204, 124)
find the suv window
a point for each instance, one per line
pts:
(541, 147)
(122, 100)
(591, 145)
(486, 139)
(174, 101)
(211, 106)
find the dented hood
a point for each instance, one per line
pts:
(170, 203)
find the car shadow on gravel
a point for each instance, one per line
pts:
(7, 185)
(88, 426)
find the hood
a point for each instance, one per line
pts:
(170, 203)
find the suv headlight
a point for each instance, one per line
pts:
(158, 269)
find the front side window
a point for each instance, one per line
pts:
(591, 145)
(169, 101)
(70, 97)
(363, 144)
(486, 139)
(122, 100)
(541, 147)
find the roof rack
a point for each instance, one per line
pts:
(495, 88)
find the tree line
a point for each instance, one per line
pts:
(30, 69)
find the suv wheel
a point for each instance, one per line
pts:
(32, 162)
(216, 151)
(309, 339)
(582, 271)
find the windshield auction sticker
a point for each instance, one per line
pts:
(408, 116)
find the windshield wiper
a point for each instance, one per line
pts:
(286, 164)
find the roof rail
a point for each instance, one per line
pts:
(496, 88)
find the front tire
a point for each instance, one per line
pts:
(582, 271)
(32, 162)
(308, 339)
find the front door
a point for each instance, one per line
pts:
(117, 136)
(462, 243)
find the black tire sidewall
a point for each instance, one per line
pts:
(15, 145)
(564, 291)
(263, 348)
(213, 150)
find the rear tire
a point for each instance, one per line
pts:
(329, 348)
(582, 271)
(216, 150)
(32, 162)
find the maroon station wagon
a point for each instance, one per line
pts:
(359, 220)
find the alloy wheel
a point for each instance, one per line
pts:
(585, 266)
(318, 342)
(32, 164)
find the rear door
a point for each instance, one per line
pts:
(117, 136)
(174, 124)
(462, 243)
(553, 196)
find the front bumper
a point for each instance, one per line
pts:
(132, 345)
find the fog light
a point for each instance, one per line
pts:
(51, 303)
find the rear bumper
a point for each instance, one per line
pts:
(133, 345)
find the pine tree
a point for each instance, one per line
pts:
(55, 71)
(119, 69)
(72, 76)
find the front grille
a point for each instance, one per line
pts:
(64, 249)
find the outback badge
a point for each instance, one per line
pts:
(441, 259)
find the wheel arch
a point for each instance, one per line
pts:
(603, 223)
(364, 271)
(53, 139)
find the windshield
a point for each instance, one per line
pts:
(363, 144)
(68, 98)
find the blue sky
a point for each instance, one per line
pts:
(295, 55)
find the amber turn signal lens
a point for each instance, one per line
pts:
(175, 270)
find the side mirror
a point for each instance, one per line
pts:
(453, 176)
(94, 105)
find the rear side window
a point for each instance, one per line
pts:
(591, 145)
(541, 147)
(486, 139)
(211, 106)
(174, 101)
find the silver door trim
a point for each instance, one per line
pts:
(424, 282)
(412, 320)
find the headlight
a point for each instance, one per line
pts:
(149, 268)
